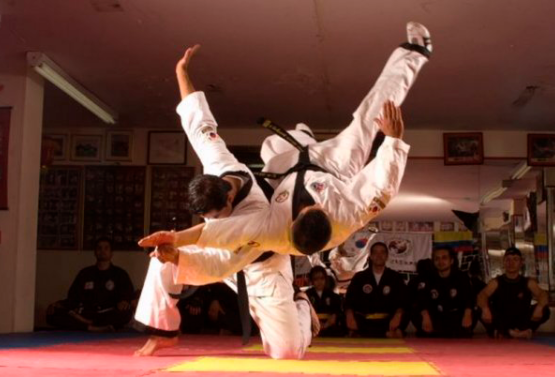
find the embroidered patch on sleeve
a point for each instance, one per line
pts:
(282, 196)
(318, 186)
(210, 132)
(377, 205)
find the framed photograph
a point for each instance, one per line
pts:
(86, 147)
(463, 148)
(541, 149)
(58, 143)
(119, 145)
(166, 147)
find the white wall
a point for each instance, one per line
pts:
(23, 91)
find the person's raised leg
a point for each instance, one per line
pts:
(347, 153)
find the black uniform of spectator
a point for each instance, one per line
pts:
(99, 298)
(506, 301)
(376, 298)
(326, 303)
(445, 303)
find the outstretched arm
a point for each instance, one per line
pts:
(181, 70)
(373, 187)
(189, 236)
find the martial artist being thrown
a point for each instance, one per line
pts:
(286, 326)
(328, 190)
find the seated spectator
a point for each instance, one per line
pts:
(445, 300)
(376, 298)
(326, 303)
(424, 268)
(506, 302)
(99, 299)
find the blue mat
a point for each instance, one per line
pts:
(547, 339)
(51, 338)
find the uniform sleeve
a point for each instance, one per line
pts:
(75, 293)
(126, 289)
(202, 131)
(205, 266)
(372, 188)
(402, 292)
(262, 229)
(466, 294)
(352, 298)
(423, 301)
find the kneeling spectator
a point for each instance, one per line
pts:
(445, 301)
(326, 303)
(506, 302)
(376, 298)
(99, 299)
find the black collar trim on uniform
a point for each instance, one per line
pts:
(245, 189)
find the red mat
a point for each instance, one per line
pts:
(474, 357)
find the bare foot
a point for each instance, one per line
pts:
(395, 334)
(154, 343)
(524, 334)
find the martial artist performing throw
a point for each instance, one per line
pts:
(328, 191)
(286, 326)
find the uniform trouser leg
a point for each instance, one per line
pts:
(285, 325)
(347, 153)
(157, 311)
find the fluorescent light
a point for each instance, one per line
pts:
(521, 170)
(53, 73)
(493, 194)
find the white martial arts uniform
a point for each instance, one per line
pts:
(351, 192)
(285, 325)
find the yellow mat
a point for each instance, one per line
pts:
(368, 341)
(336, 368)
(325, 349)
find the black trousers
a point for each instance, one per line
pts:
(58, 316)
(445, 325)
(503, 322)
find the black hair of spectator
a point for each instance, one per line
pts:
(379, 243)
(512, 251)
(104, 239)
(311, 231)
(314, 270)
(207, 193)
(424, 267)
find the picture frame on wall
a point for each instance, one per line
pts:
(167, 147)
(59, 146)
(119, 146)
(541, 149)
(463, 148)
(86, 147)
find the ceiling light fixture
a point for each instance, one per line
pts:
(521, 170)
(53, 73)
(493, 194)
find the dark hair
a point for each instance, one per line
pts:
(207, 193)
(449, 249)
(379, 243)
(424, 267)
(311, 231)
(314, 270)
(512, 251)
(103, 239)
